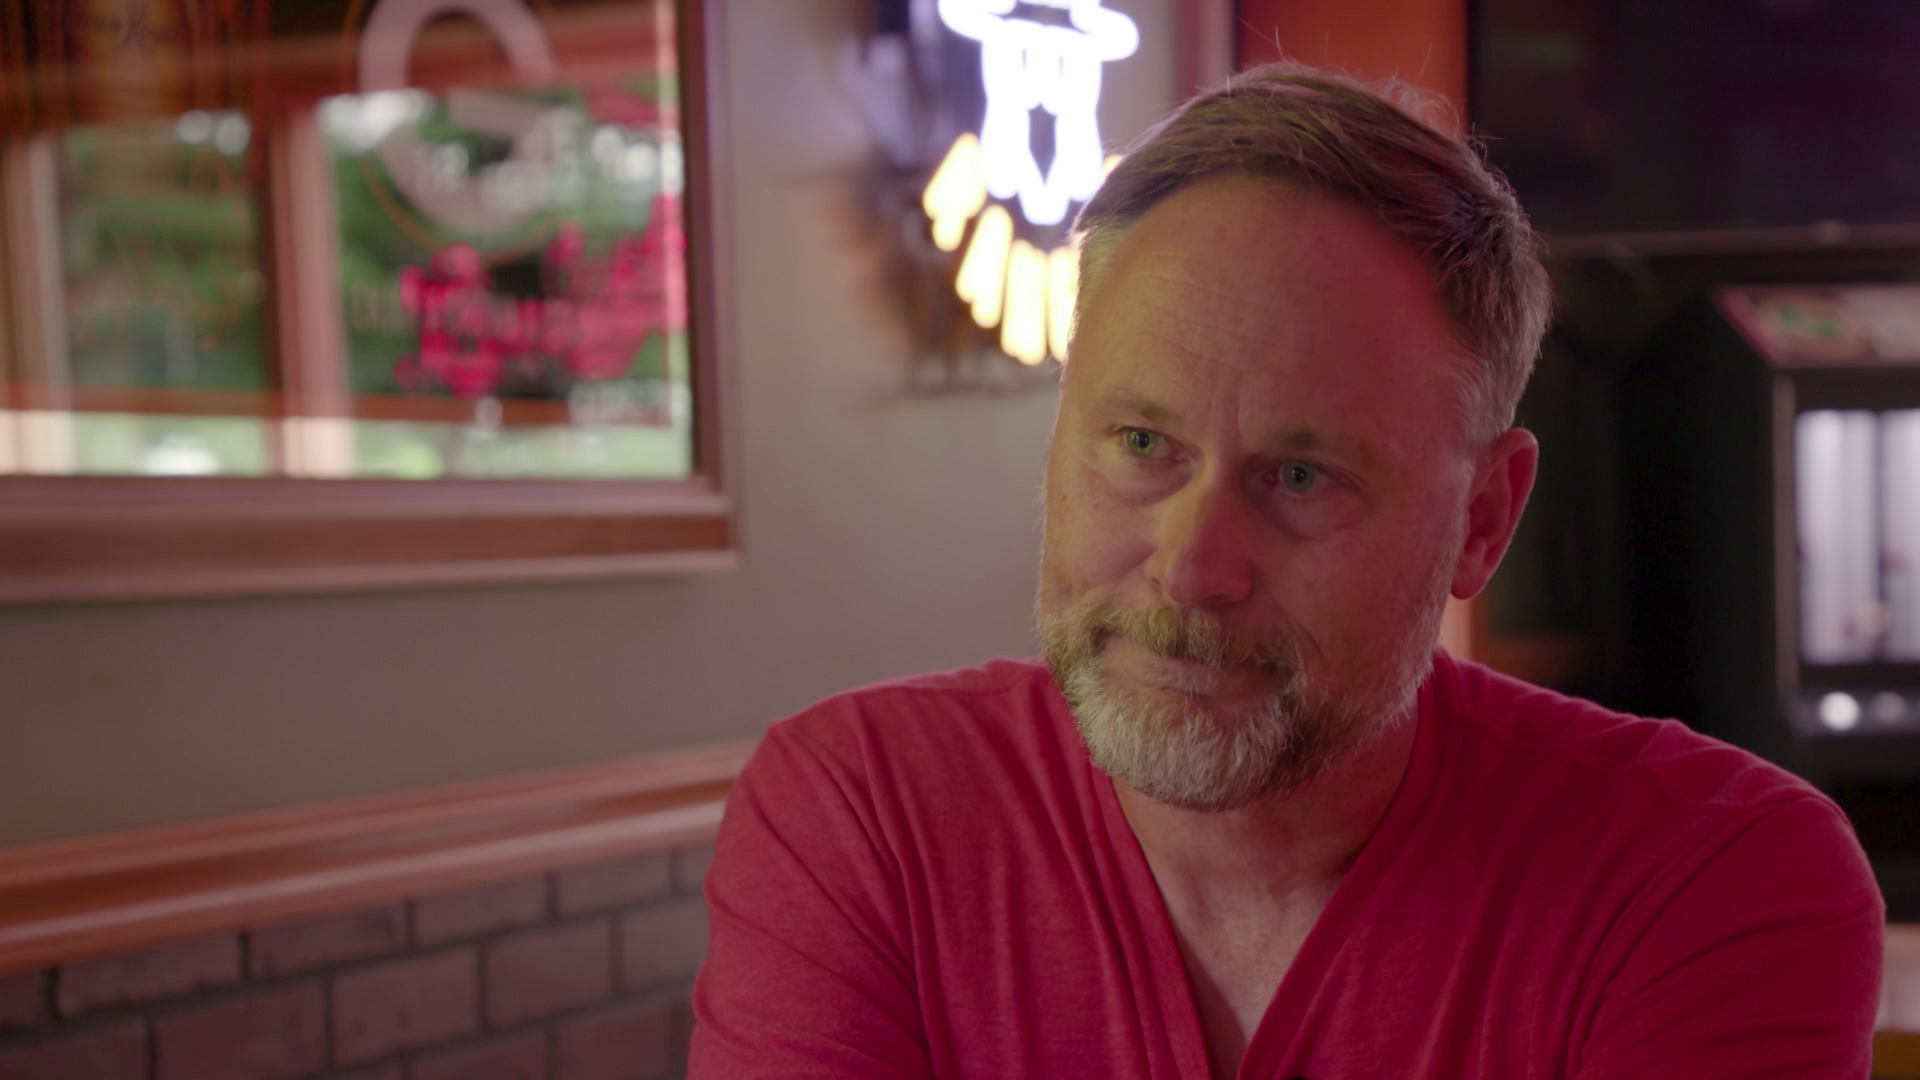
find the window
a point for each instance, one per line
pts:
(357, 294)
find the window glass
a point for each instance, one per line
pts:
(512, 281)
(165, 368)
(505, 253)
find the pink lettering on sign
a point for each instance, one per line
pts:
(595, 316)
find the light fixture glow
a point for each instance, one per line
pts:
(955, 193)
(1023, 333)
(1887, 707)
(1026, 65)
(983, 270)
(1063, 288)
(1839, 711)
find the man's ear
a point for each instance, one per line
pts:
(1501, 484)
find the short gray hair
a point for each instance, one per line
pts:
(1370, 145)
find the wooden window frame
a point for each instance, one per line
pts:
(76, 538)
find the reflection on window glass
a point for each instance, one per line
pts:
(512, 281)
(509, 268)
(166, 362)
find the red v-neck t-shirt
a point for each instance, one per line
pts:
(929, 878)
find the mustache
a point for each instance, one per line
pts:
(1195, 636)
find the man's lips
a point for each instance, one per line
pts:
(1192, 677)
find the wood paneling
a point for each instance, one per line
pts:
(69, 900)
(128, 556)
(1422, 42)
(1896, 1056)
(1206, 45)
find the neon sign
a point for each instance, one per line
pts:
(1025, 64)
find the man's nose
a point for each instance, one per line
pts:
(1205, 545)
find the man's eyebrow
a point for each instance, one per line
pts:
(1290, 438)
(1145, 408)
(1298, 439)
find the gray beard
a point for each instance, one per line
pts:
(1170, 749)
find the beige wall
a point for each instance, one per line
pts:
(885, 535)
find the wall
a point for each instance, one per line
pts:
(1423, 42)
(885, 535)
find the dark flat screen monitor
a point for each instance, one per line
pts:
(1622, 116)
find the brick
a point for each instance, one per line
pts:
(23, 999)
(662, 944)
(404, 1005)
(337, 939)
(110, 1053)
(690, 867)
(151, 973)
(522, 1057)
(472, 912)
(542, 972)
(270, 1035)
(612, 884)
(625, 1043)
(682, 1032)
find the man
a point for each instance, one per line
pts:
(1244, 821)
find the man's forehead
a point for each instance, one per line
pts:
(1257, 254)
(1247, 218)
(1183, 302)
(1160, 308)
(1311, 299)
(1172, 272)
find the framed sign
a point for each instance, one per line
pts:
(358, 293)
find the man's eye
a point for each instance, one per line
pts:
(1299, 477)
(1141, 442)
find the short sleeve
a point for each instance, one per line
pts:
(807, 973)
(1761, 959)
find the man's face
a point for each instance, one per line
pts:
(1255, 494)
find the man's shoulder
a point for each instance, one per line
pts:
(1637, 810)
(1601, 752)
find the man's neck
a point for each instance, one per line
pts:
(1279, 846)
(1244, 887)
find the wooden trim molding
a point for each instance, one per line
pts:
(1896, 1045)
(1207, 45)
(230, 554)
(72, 899)
(1896, 1056)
